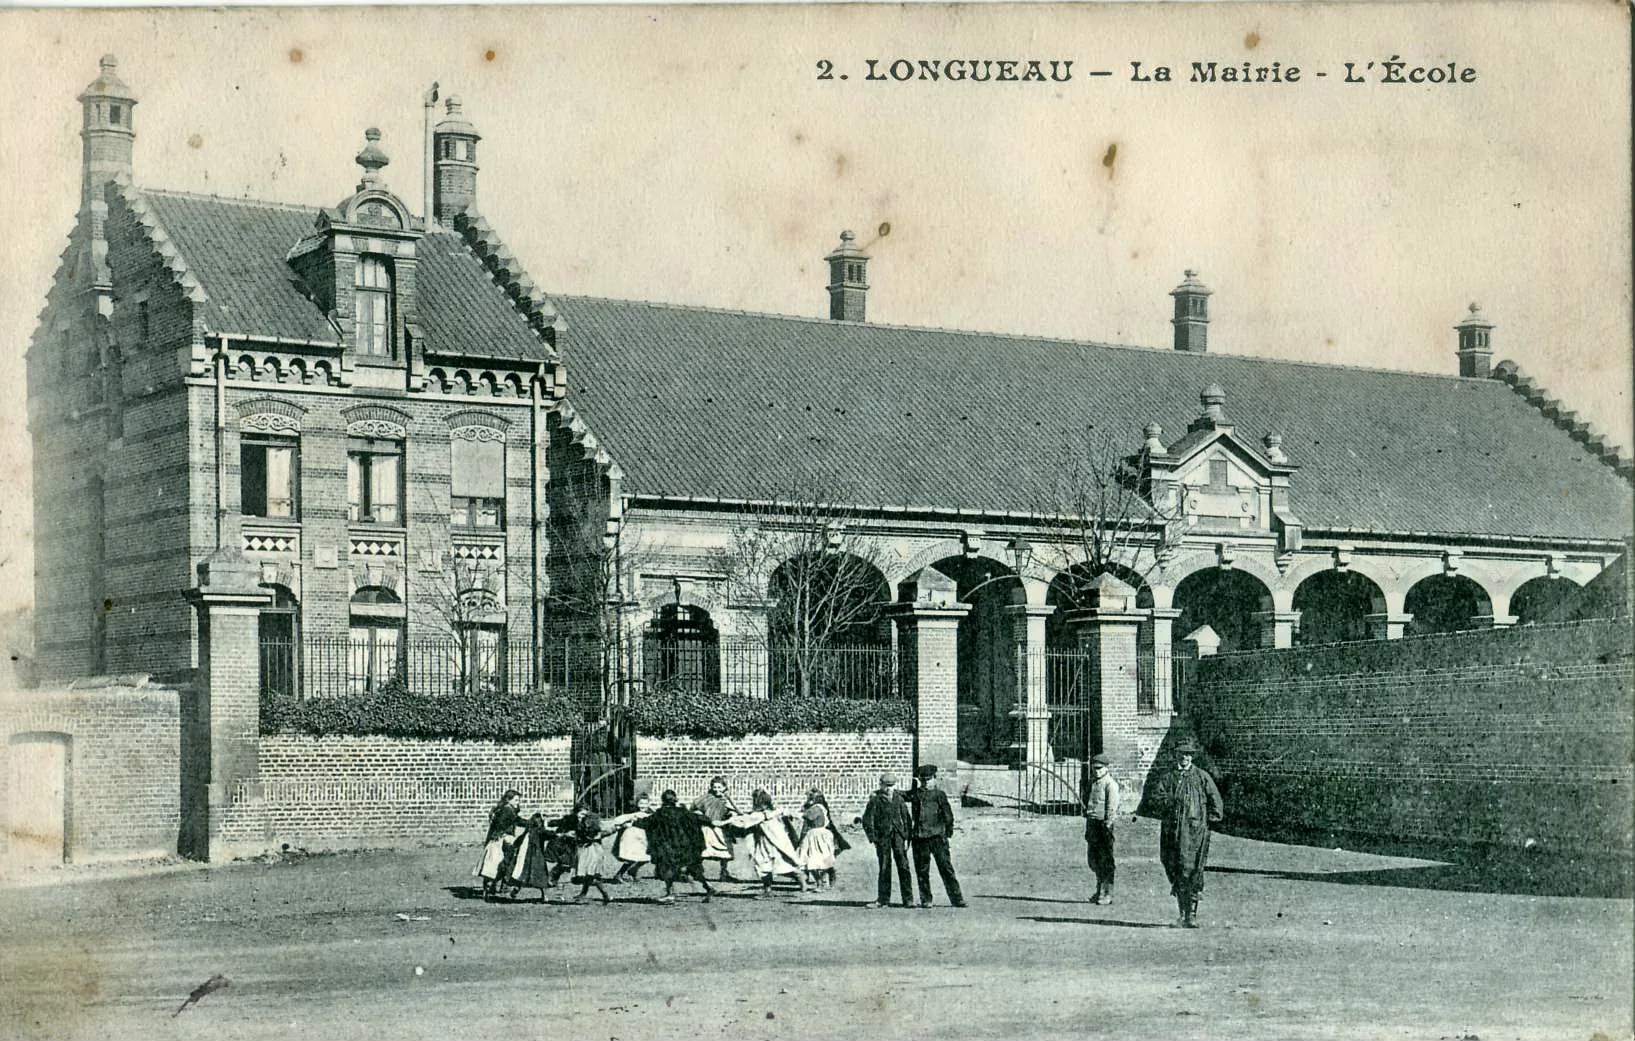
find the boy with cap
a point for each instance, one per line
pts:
(1100, 811)
(886, 823)
(933, 826)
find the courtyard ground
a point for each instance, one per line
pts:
(1297, 942)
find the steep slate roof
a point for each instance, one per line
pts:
(724, 404)
(237, 249)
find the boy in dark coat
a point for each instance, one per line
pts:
(675, 841)
(933, 826)
(887, 823)
(1187, 802)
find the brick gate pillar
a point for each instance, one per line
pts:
(1031, 672)
(221, 743)
(928, 614)
(1107, 632)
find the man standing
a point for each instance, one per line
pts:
(887, 825)
(1187, 802)
(933, 827)
(1099, 814)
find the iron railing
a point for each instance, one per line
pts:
(776, 671)
(373, 660)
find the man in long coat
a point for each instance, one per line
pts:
(887, 823)
(1187, 802)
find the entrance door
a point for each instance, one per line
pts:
(37, 799)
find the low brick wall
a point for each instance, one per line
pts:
(846, 766)
(123, 765)
(1510, 738)
(357, 792)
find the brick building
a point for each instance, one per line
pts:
(379, 417)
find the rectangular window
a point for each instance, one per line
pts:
(375, 656)
(267, 476)
(477, 482)
(374, 482)
(373, 301)
(1218, 473)
(483, 660)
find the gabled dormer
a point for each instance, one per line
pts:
(359, 266)
(1219, 481)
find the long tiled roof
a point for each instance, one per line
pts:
(236, 249)
(720, 404)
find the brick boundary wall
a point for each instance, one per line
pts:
(321, 793)
(1507, 737)
(123, 767)
(846, 766)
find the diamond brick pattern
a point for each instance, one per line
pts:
(380, 548)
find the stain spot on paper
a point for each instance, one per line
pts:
(884, 229)
(1110, 158)
(296, 56)
(489, 55)
(195, 141)
(1252, 40)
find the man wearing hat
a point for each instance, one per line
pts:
(1187, 802)
(933, 826)
(1100, 811)
(887, 824)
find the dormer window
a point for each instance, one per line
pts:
(374, 306)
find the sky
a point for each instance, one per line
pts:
(694, 155)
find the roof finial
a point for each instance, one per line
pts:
(372, 159)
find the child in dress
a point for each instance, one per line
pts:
(715, 807)
(591, 861)
(675, 840)
(774, 851)
(629, 841)
(504, 829)
(819, 841)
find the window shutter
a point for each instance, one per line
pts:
(477, 469)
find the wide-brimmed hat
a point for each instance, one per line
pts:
(1187, 746)
(926, 771)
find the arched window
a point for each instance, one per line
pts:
(682, 648)
(279, 639)
(375, 655)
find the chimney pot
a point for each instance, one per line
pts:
(1191, 319)
(454, 173)
(1475, 344)
(848, 280)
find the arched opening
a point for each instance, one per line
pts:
(828, 632)
(1073, 716)
(988, 690)
(1334, 607)
(1226, 600)
(1446, 604)
(376, 650)
(681, 649)
(1543, 599)
(279, 641)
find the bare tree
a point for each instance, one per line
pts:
(823, 574)
(462, 603)
(1102, 514)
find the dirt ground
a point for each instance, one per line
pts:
(1296, 942)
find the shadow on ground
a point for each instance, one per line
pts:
(1480, 871)
(1112, 922)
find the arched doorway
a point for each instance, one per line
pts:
(1447, 604)
(1226, 600)
(1543, 600)
(988, 691)
(681, 649)
(1334, 607)
(828, 632)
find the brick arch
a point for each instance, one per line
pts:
(925, 557)
(1277, 586)
(1376, 571)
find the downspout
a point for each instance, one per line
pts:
(427, 203)
(539, 439)
(221, 438)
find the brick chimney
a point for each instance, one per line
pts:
(848, 280)
(1475, 344)
(454, 177)
(108, 140)
(1191, 319)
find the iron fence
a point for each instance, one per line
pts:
(758, 670)
(372, 659)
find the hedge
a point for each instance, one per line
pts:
(684, 714)
(395, 712)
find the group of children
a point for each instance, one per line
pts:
(536, 853)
